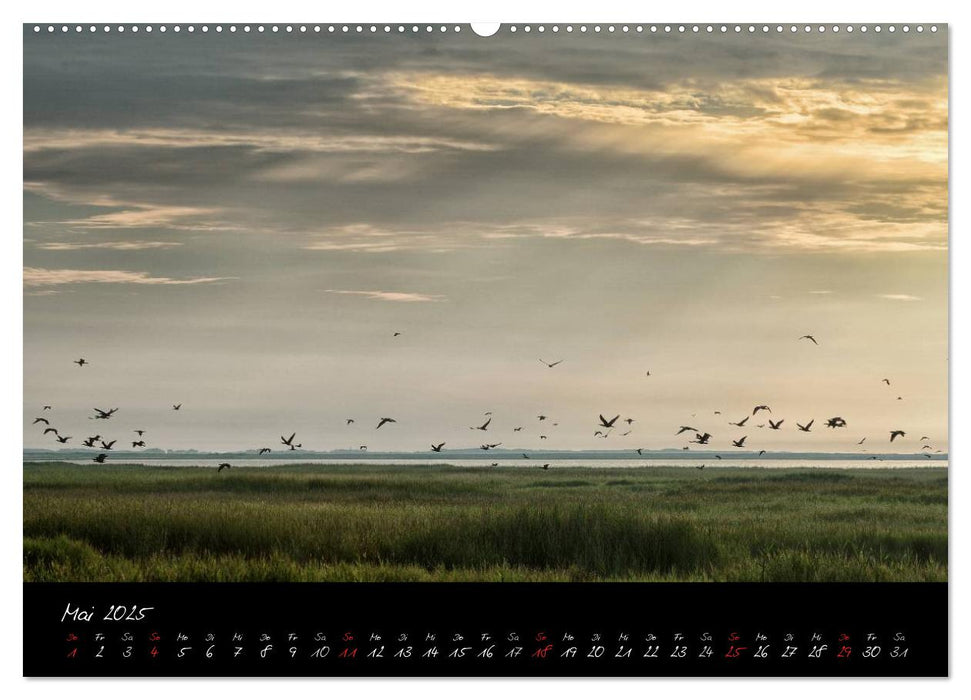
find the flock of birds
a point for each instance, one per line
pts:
(605, 428)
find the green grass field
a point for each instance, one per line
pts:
(439, 523)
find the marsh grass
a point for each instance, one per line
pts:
(434, 522)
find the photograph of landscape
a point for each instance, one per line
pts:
(317, 305)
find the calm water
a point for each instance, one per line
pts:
(534, 463)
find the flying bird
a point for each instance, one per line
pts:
(924, 438)
(41, 420)
(639, 450)
(701, 439)
(396, 334)
(138, 443)
(176, 406)
(484, 426)
(761, 452)
(488, 446)
(82, 362)
(686, 429)
(88, 443)
(525, 456)
(809, 337)
(105, 415)
(777, 425)
(363, 448)
(701, 467)
(542, 437)
(516, 430)
(608, 423)
(886, 381)
(836, 422)
(294, 447)
(46, 408)
(224, 465)
(629, 420)
(100, 459)
(438, 447)
(861, 441)
(546, 466)
(50, 430)
(385, 420)
(761, 408)
(805, 428)
(140, 432)
(895, 434)
(289, 440)
(541, 417)
(718, 456)
(740, 442)
(264, 450)
(107, 445)
(741, 422)
(551, 365)
(349, 421)
(63, 438)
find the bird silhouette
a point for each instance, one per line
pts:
(861, 441)
(551, 365)
(894, 434)
(81, 362)
(100, 459)
(541, 417)
(701, 439)
(761, 408)
(349, 421)
(542, 437)
(806, 428)
(777, 425)
(41, 420)
(46, 408)
(494, 464)
(105, 415)
(224, 465)
(887, 382)
(625, 434)
(140, 432)
(293, 448)
(88, 443)
(489, 446)
(629, 420)
(396, 334)
(264, 450)
(516, 430)
(741, 422)
(639, 450)
(50, 430)
(546, 466)
(740, 442)
(761, 452)
(107, 445)
(836, 422)
(525, 456)
(718, 456)
(809, 337)
(924, 438)
(686, 429)
(926, 447)
(608, 423)
(176, 407)
(385, 420)
(63, 438)
(701, 467)
(438, 447)
(138, 443)
(484, 426)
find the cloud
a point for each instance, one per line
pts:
(108, 245)
(407, 297)
(42, 277)
(900, 297)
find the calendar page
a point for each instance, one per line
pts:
(463, 350)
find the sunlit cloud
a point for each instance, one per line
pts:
(407, 297)
(42, 277)
(108, 245)
(900, 297)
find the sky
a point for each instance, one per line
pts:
(241, 222)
